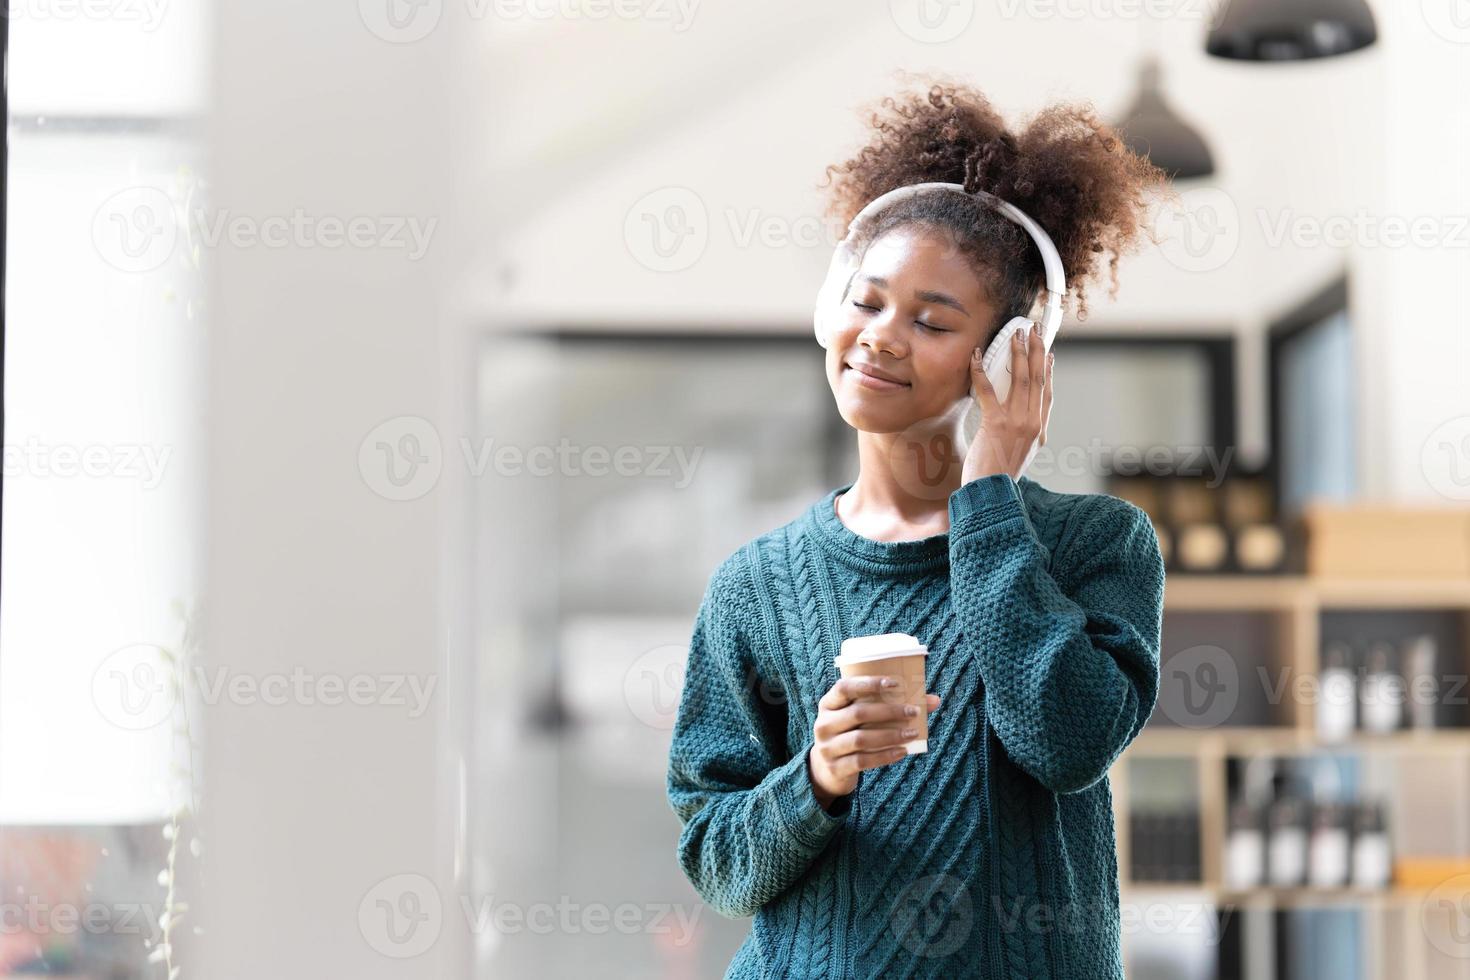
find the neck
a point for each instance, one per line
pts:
(907, 477)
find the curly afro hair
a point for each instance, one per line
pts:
(1071, 173)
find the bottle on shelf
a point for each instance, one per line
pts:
(1328, 850)
(1372, 856)
(1245, 848)
(1338, 703)
(1286, 850)
(1421, 657)
(1382, 692)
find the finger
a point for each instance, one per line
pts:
(980, 384)
(852, 764)
(1020, 392)
(933, 700)
(861, 740)
(1036, 365)
(1047, 398)
(874, 713)
(850, 689)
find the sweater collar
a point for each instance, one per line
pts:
(845, 544)
(840, 541)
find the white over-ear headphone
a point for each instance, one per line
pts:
(997, 360)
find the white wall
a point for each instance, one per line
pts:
(1414, 327)
(331, 825)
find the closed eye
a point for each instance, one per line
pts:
(864, 306)
(930, 326)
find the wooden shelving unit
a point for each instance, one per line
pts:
(1294, 607)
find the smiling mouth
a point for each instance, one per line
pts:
(873, 381)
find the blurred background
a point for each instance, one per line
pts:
(383, 381)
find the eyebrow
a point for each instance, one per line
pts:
(926, 295)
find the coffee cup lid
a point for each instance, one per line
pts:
(857, 649)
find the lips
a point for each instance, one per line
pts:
(875, 378)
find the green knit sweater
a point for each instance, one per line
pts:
(993, 855)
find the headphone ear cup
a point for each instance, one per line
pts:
(997, 360)
(829, 297)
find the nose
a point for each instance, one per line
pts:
(879, 333)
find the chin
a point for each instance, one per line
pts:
(864, 416)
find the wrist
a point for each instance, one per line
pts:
(824, 798)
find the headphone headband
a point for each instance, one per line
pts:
(1056, 282)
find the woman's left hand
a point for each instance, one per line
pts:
(1011, 433)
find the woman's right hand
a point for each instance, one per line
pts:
(844, 748)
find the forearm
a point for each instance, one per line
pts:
(741, 849)
(1069, 679)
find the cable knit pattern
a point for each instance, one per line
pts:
(993, 855)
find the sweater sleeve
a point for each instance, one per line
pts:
(1071, 674)
(751, 822)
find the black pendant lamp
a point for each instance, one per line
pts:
(1291, 30)
(1152, 130)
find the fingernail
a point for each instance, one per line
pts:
(890, 682)
(910, 732)
(911, 710)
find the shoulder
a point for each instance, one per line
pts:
(1096, 521)
(748, 578)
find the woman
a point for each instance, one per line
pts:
(993, 854)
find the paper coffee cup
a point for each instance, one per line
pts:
(895, 655)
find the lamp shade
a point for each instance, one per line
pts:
(1152, 129)
(1291, 30)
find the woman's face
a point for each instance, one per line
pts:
(914, 312)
